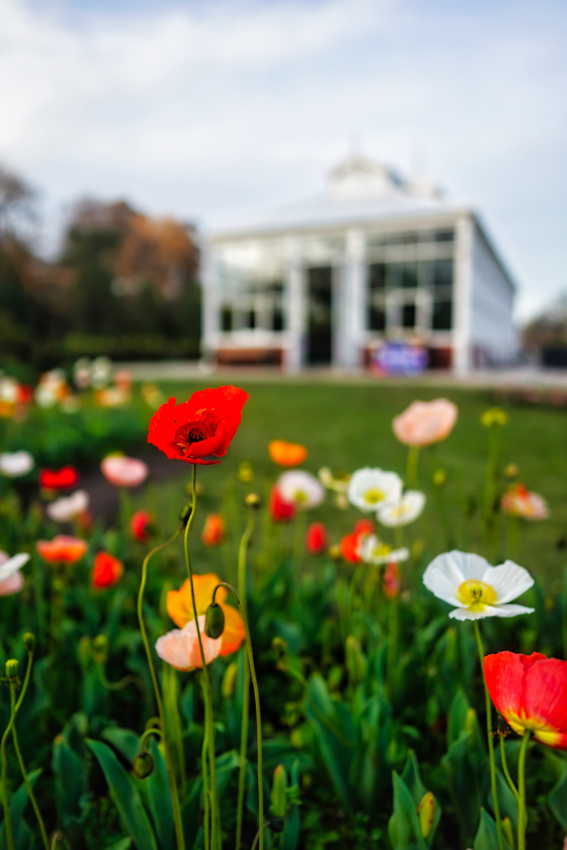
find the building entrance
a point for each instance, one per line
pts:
(319, 293)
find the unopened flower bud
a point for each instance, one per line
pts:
(252, 500)
(470, 720)
(279, 786)
(335, 552)
(495, 417)
(229, 680)
(426, 813)
(355, 660)
(511, 470)
(245, 472)
(100, 649)
(214, 621)
(143, 765)
(28, 639)
(508, 831)
(12, 669)
(439, 478)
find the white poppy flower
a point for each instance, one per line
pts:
(475, 588)
(11, 580)
(374, 551)
(370, 489)
(16, 464)
(407, 510)
(300, 489)
(67, 508)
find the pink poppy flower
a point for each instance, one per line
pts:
(180, 647)
(124, 471)
(425, 422)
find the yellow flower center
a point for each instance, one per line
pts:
(542, 731)
(374, 496)
(300, 496)
(381, 550)
(476, 594)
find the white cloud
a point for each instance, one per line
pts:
(225, 107)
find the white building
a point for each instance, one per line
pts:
(372, 258)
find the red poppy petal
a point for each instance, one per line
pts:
(504, 674)
(546, 692)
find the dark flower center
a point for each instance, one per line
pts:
(196, 432)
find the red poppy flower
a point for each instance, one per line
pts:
(364, 526)
(202, 426)
(214, 530)
(530, 692)
(107, 571)
(316, 540)
(280, 510)
(140, 525)
(62, 549)
(58, 479)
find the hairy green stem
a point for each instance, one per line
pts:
(522, 813)
(242, 550)
(170, 770)
(490, 741)
(5, 803)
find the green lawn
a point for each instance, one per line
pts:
(348, 425)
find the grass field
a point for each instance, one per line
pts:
(347, 426)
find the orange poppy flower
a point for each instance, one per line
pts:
(287, 454)
(214, 530)
(107, 570)
(62, 549)
(180, 609)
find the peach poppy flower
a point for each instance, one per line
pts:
(180, 609)
(180, 647)
(425, 422)
(518, 501)
(287, 454)
(214, 530)
(124, 471)
(62, 549)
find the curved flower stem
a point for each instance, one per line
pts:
(159, 702)
(5, 803)
(412, 465)
(142, 746)
(488, 705)
(20, 759)
(506, 771)
(207, 691)
(257, 703)
(522, 813)
(243, 548)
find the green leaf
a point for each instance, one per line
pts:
(159, 798)
(123, 740)
(487, 837)
(412, 779)
(123, 844)
(403, 826)
(125, 796)
(18, 804)
(70, 779)
(558, 799)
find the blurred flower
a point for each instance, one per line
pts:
(338, 482)
(123, 380)
(66, 509)
(152, 395)
(62, 549)
(511, 470)
(71, 404)
(9, 390)
(52, 388)
(11, 579)
(316, 539)
(495, 417)
(107, 570)
(476, 588)
(370, 489)
(124, 471)
(58, 479)
(140, 525)
(301, 489)
(245, 472)
(374, 551)
(283, 453)
(101, 372)
(517, 501)
(439, 478)
(407, 510)
(16, 464)
(180, 647)
(200, 427)
(350, 544)
(180, 609)
(280, 510)
(82, 373)
(530, 692)
(112, 397)
(214, 530)
(425, 422)
(391, 581)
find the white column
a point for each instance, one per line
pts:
(354, 299)
(294, 299)
(209, 303)
(462, 296)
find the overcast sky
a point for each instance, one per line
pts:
(213, 110)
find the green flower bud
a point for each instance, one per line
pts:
(439, 478)
(508, 831)
(12, 669)
(252, 500)
(426, 813)
(279, 798)
(229, 680)
(245, 472)
(470, 720)
(143, 765)
(355, 660)
(511, 470)
(214, 621)
(28, 640)
(495, 417)
(100, 649)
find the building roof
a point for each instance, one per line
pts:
(358, 190)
